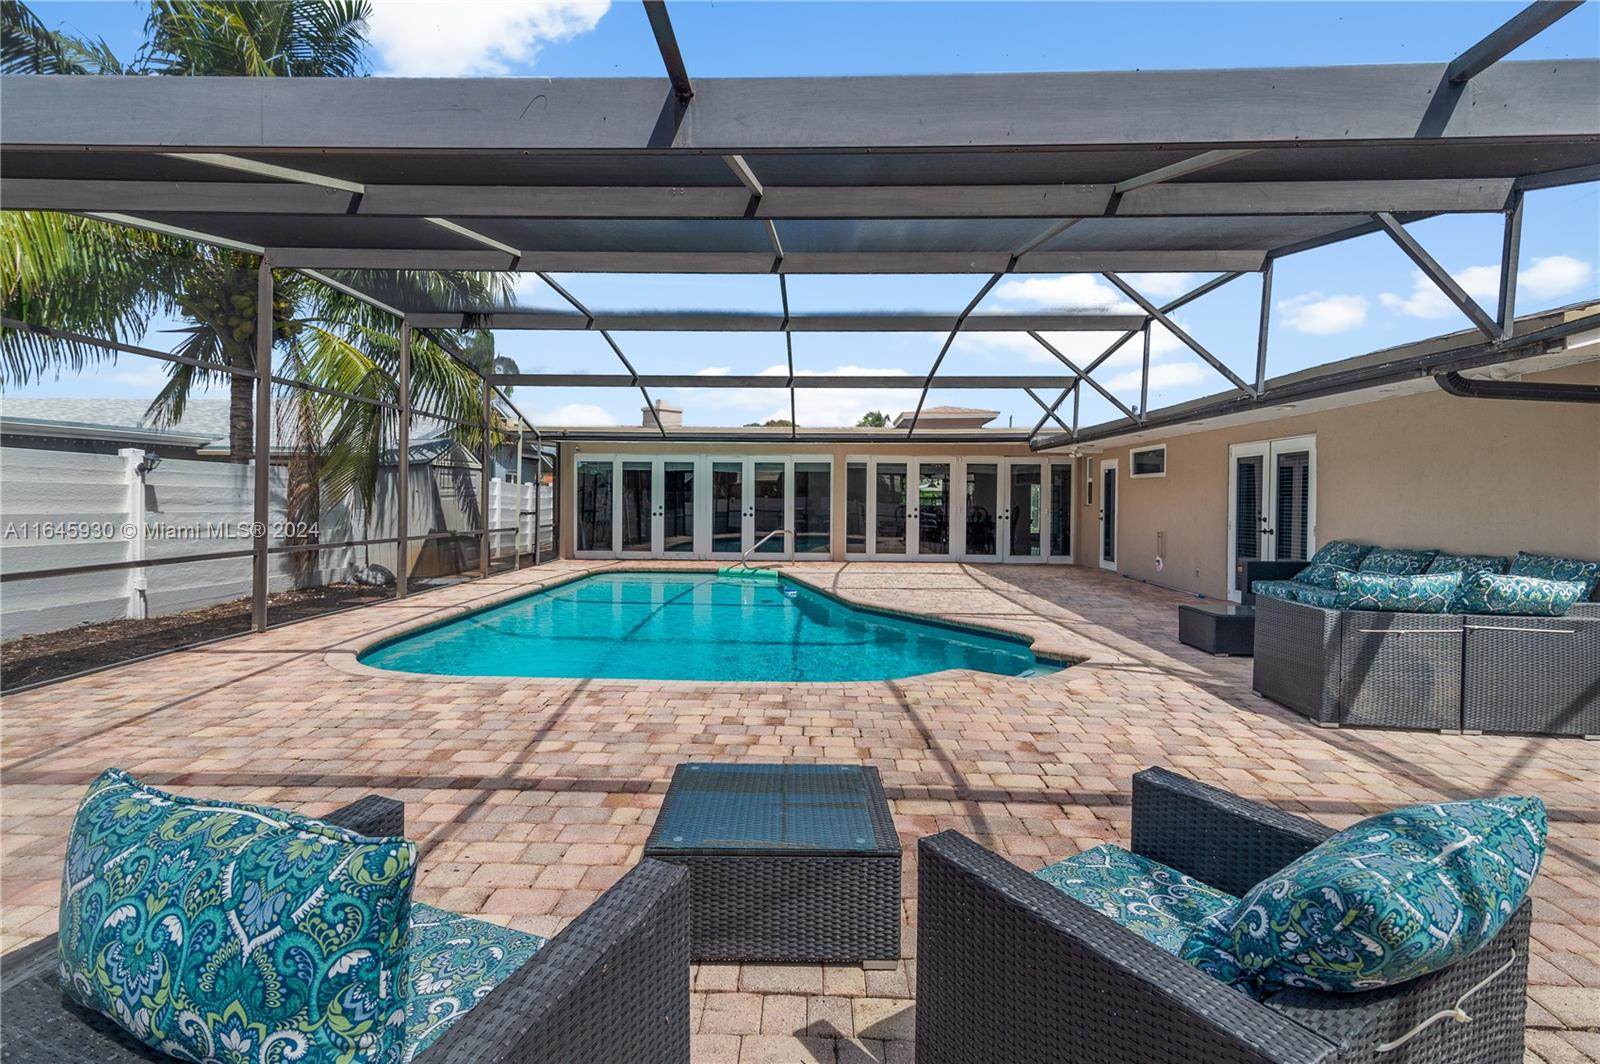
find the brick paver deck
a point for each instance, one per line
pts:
(530, 797)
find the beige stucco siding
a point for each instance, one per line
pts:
(1429, 470)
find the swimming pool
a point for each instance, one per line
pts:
(697, 626)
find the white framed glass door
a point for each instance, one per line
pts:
(1025, 512)
(772, 501)
(729, 514)
(981, 509)
(1059, 491)
(1107, 475)
(1272, 504)
(933, 501)
(595, 508)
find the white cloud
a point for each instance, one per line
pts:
(427, 38)
(1072, 291)
(580, 414)
(712, 371)
(815, 407)
(1552, 275)
(1323, 315)
(1555, 275)
(1165, 375)
(1165, 285)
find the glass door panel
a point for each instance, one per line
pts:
(983, 517)
(637, 505)
(1291, 528)
(855, 508)
(933, 509)
(727, 507)
(1025, 512)
(1108, 515)
(813, 508)
(594, 505)
(889, 522)
(1061, 510)
(771, 487)
(677, 496)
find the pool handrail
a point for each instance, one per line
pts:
(744, 559)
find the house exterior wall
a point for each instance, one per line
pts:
(1481, 476)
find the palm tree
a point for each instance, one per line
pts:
(109, 281)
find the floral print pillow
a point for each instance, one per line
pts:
(1467, 564)
(1340, 553)
(1395, 897)
(1396, 561)
(1396, 594)
(214, 931)
(1525, 596)
(1550, 567)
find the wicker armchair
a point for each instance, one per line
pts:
(1012, 971)
(613, 986)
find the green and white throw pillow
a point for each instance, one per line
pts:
(215, 931)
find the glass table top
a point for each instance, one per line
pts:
(768, 807)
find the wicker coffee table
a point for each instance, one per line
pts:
(786, 862)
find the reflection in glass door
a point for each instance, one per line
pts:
(728, 509)
(771, 486)
(983, 515)
(855, 508)
(594, 504)
(932, 509)
(677, 496)
(1247, 510)
(813, 508)
(1025, 514)
(637, 506)
(1061, 511)
(889, 522)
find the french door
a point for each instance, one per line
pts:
(942, 508)
(1272, 504)
(703, 506)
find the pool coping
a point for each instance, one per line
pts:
(346, 658)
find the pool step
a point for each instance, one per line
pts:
(748, 574)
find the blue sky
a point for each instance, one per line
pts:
(1332, 303)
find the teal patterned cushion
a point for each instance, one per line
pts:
(1527, 596)
(1394, 897)
(1397, 594)
(1318, 575)
(1396, 562)
(1159, 904)
(1279, 589)
(1467, 564)
(1549, 567)
(1325, 597)
(1340, 552)
(214, 931)
(455, 961)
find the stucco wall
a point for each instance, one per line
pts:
(1430, 470)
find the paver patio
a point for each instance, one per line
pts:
(530, 797)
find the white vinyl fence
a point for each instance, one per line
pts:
(60, 509)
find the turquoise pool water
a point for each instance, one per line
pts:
(696, 626)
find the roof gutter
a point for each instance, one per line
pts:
(1473, 388)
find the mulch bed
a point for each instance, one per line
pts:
(33, 659)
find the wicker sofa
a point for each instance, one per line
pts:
(1012, 971)
(1443, 671)
(613, 986)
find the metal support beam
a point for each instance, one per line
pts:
(1517, 31)
(671, 57)
(1194, 345)
(1084, 377)
(737, 321)
(788, 344)
(1510, 254)
(402, 487)
(747, 177)
(263, 447)
(486, 456)
(1144, 376)
(1203, 161)
(927, 382)
(606, 336)
(1049, 410)
(1263, 327)
(767, 381)
(1438, 275)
